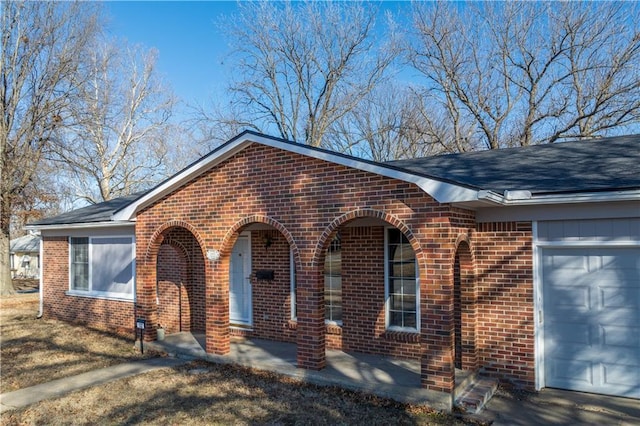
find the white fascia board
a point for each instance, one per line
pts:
(442, 192)
(85, 225)
(129, 212)
(569, 211)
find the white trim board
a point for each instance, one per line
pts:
(594, 210)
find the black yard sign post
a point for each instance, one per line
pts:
(140, 323)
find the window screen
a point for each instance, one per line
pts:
(112, 265)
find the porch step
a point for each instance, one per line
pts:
(477, 391)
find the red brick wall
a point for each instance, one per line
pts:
(363, 290)
(109, 315)
(505, 328)
(172, 279)
(181, 282)
(271, 298)
(306, 200)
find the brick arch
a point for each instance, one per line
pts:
(330, 230)
(231, 235)
(178, 245)
(158, 238)
(464, 238)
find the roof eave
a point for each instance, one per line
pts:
(580, 197)
(443, 192)
(525, 198)
(80, 225)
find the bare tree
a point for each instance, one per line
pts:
(518, 73)
(38, 199)
(385, 125)
(116, 142)
(300, 67)
(209, 125)
(40, 47)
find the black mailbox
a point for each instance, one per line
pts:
(265, 274)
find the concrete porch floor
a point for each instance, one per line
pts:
(378, 375)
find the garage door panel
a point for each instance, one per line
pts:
(567, 370)
(623, 376)
(619, 297)
(568, 333)
(620, 336)
(591, 299)
(568, 298)
(564, 263)
(625, 265)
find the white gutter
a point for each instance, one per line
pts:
(525, 198)
(584, 197)
(110, 224)
(490, 197)
(40, 280)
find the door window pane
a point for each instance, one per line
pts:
(333, 281)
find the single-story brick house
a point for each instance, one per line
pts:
(521, 263)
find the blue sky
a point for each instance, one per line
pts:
(190, 44)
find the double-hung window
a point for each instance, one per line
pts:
(80, 264)
(102, 266)
(333, 282)
(402, 291)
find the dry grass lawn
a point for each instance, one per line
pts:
(197, 393)
(34, 351)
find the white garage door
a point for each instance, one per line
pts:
(591, 319)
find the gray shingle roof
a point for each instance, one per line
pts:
(605, 164)
(100, 212)
(25, 244)
(569, 167)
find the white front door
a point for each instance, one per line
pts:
(240, 306)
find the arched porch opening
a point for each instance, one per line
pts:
(369, 264)
(464, 297)
(255, 284)
(180, 281)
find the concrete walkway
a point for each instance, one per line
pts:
(560, 407)
(382, 376)
(374, 374)
(56, 388)
(400, 380)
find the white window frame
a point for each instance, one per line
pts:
(387, 303)
(102, 294)
(71, 264)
